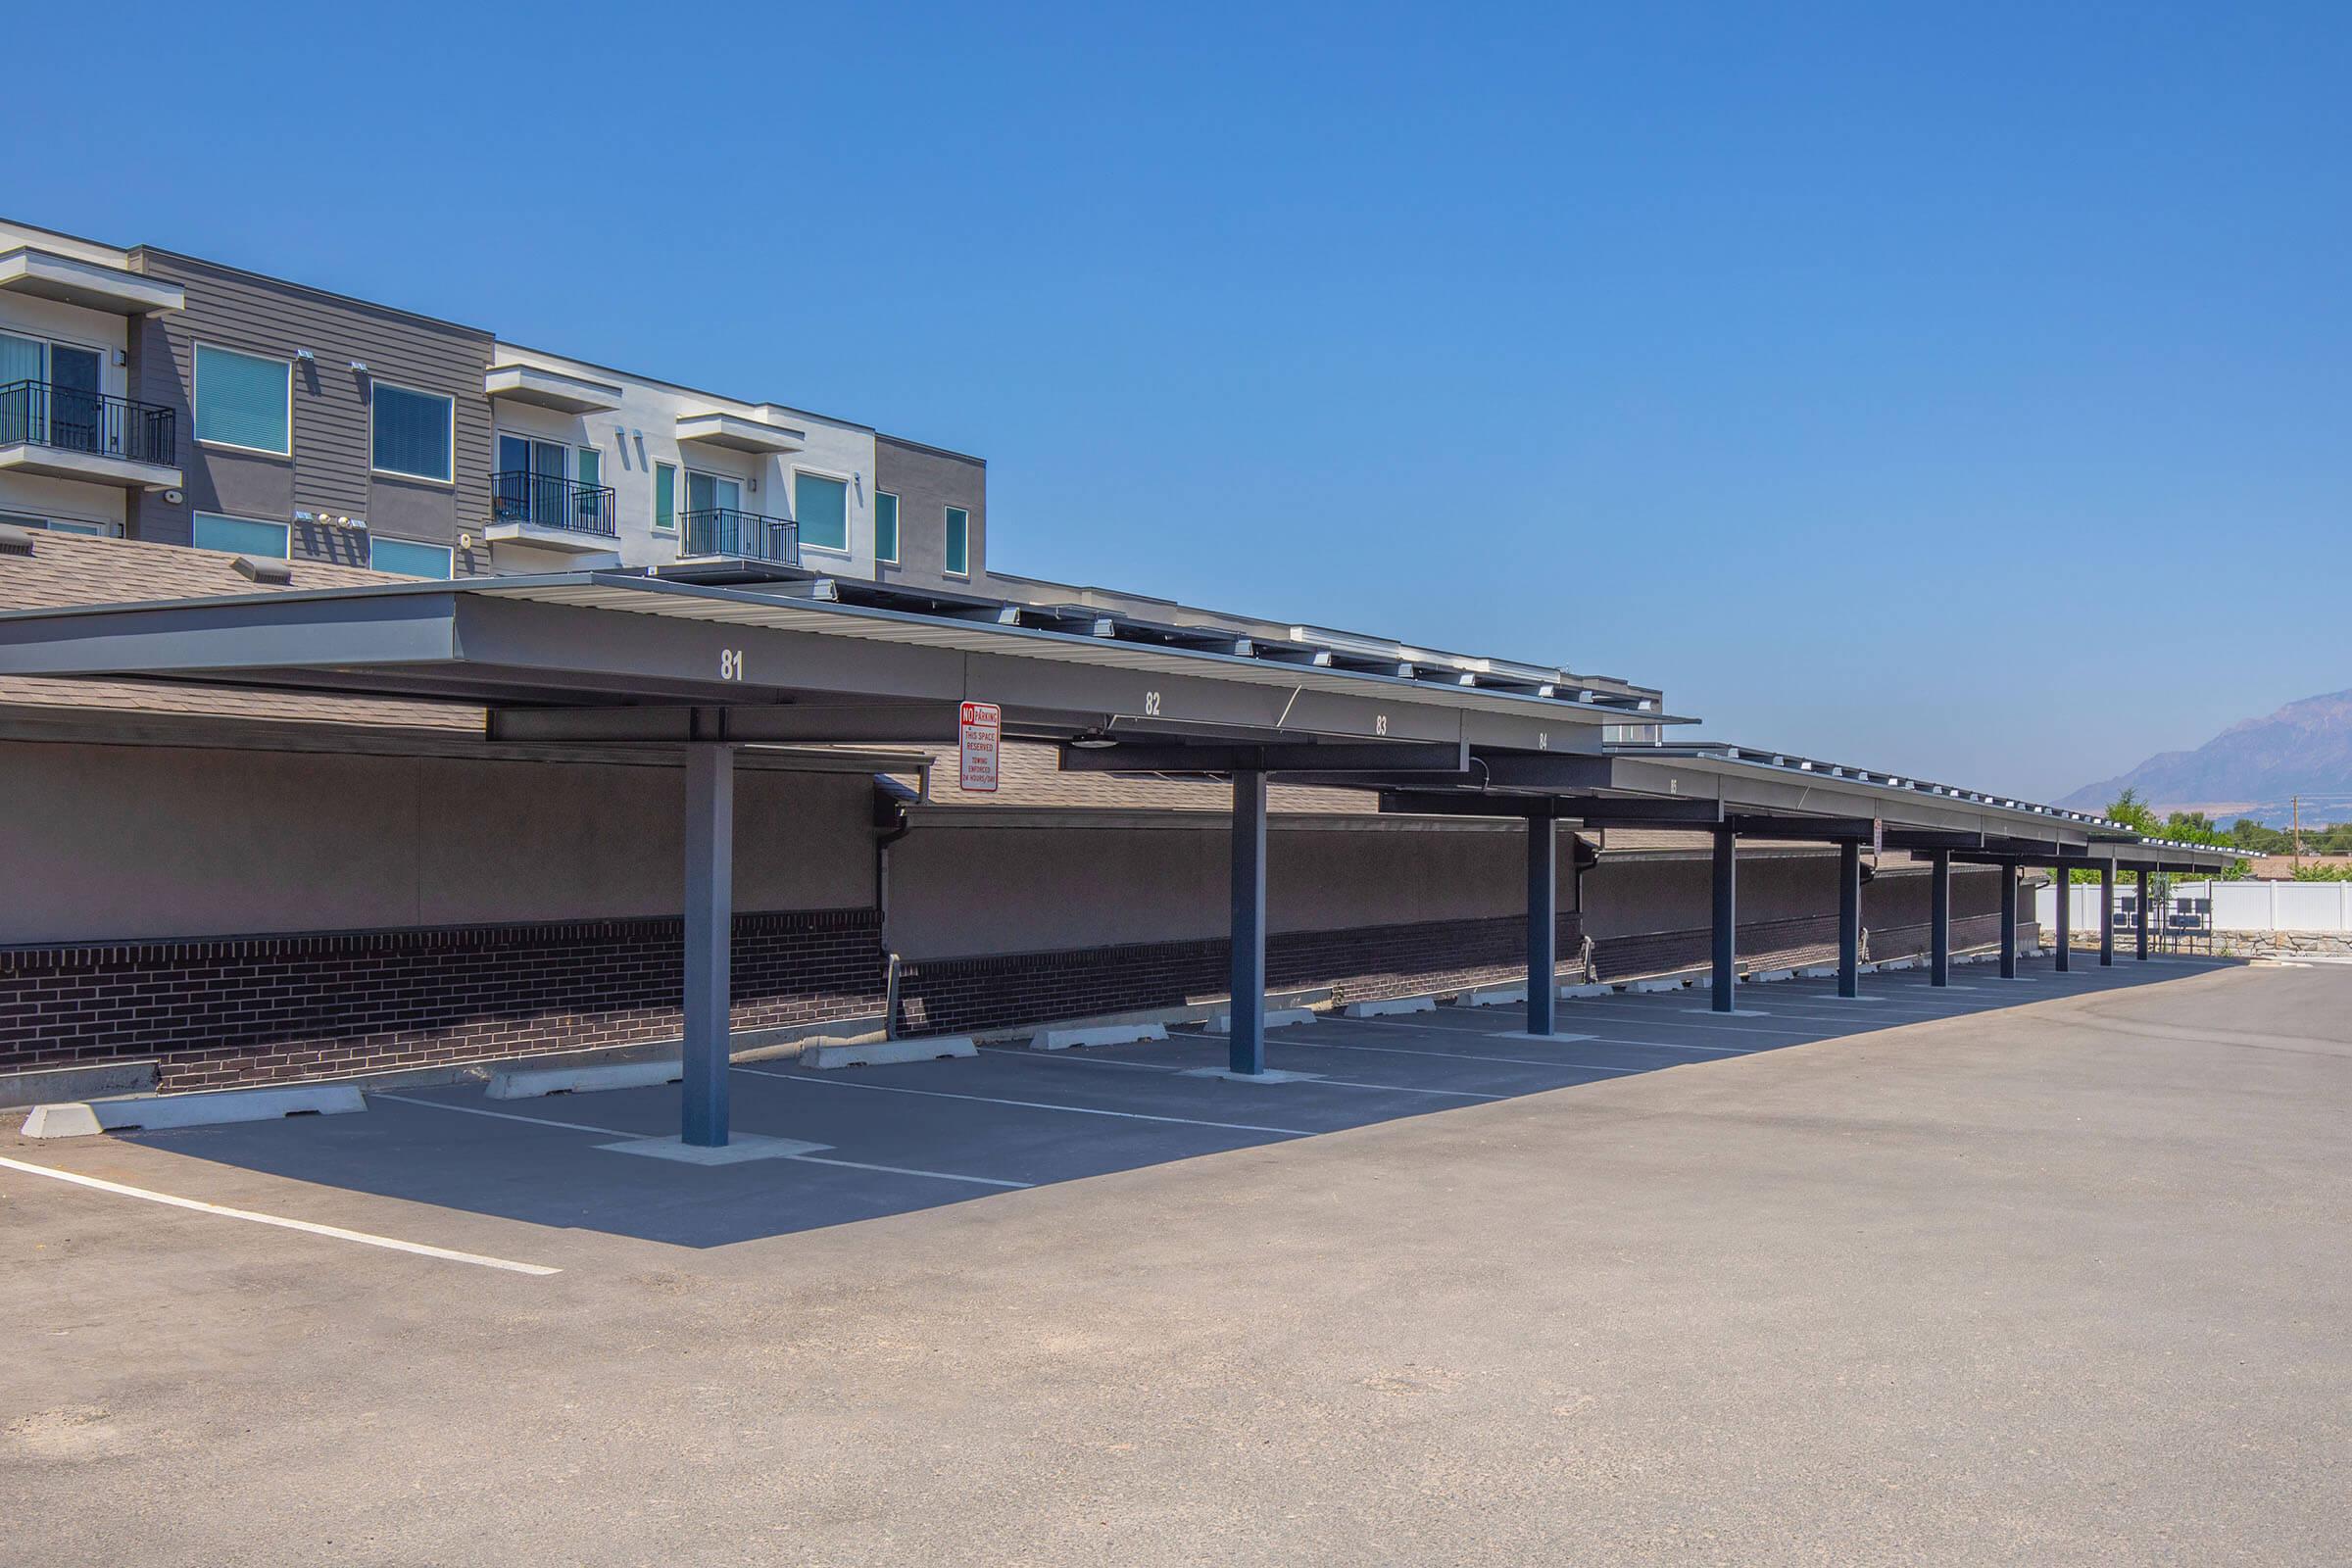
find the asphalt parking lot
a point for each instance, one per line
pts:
(2036, 1271)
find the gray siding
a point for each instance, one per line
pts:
(329, 469)
(927, 481)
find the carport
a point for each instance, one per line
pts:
(629, 660)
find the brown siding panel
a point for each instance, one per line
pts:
(329, 470)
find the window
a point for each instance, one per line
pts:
(886, 526)
(665, 495)
(960, 542)
(822, 508)
(244, 401)
(412, 431)
(409, 558)
(21, 519)
(590, 467)
(240, 535)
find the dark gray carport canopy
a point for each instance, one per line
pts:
(620, 657)
(628, 657)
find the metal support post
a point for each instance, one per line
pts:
(1940, 917)
(709, 936)
(1726, 921)
(1849, 919)
(1543, 923)
(1247, 1042)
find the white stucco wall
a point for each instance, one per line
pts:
(103, 331)
(643, 432)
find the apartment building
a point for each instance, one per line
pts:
(147, 394)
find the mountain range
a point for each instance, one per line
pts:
(2255, 768)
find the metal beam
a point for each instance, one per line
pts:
(1726, 928)
(709, 936)
(1940, 917)
(1849, 919)
(1760, 825)
(1543, 923)
(1246, 1043)
(1218, 757)
(788, 723)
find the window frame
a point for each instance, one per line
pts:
(197, 515)
(449, 434)
(665, 526)
(898, 512)
(947, 537)
(447, 551)
(196, 353)
(849, 532)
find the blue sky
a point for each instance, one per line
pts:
(1886, 382)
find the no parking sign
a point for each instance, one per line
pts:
(978, 728)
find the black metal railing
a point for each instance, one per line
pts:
(724, 531)
(551, 501)
(71, 421)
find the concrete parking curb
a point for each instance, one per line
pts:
(1276, 1019)
(530, 1083)
(208, 1108)
(883, 1053)
(1116, 1034)
(1383, 1010)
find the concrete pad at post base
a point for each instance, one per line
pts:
(883, 1052)
(736, 1150)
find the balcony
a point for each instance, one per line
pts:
(742, 535)
(552, 513)
(737, 433)
(91, 285)
(64, 433)
(549, 389)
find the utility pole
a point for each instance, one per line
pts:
(2297, 802)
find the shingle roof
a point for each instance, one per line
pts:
(1031, 779)
(67, 569)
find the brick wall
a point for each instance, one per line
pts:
(255, 1009)
(1360, 963)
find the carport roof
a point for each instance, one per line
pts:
(618, 657)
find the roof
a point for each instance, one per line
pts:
(67, 569)
(1031, 778)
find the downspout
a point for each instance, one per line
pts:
(892, 823)
(1583, 858)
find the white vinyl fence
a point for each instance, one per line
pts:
(2325, 907)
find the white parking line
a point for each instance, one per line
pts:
(1025, 1105)
(902, 1170)
(337, 1232)
(507, 1115)
(1588, 1040)
(1462, 1055)
(616, 1132)
(1060, 1059)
